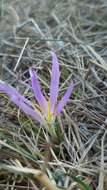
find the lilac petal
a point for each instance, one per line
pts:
(20, 101)
(26, 109)
(9, 90)
(37, 91)
(65, 98)
(54, 82)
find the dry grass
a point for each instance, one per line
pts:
(77, 30)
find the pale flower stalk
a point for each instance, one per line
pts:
(47, 110)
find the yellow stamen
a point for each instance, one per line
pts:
(49, 114)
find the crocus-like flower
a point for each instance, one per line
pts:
(47, 110)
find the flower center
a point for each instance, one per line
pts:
(49, 114)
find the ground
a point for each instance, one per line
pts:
(77, 31)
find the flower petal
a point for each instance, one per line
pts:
(27, 110)
(65, 98)
(10, 91)
(20, 101)
(37, 91)
(54, 82)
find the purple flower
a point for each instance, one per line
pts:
(46, 111)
